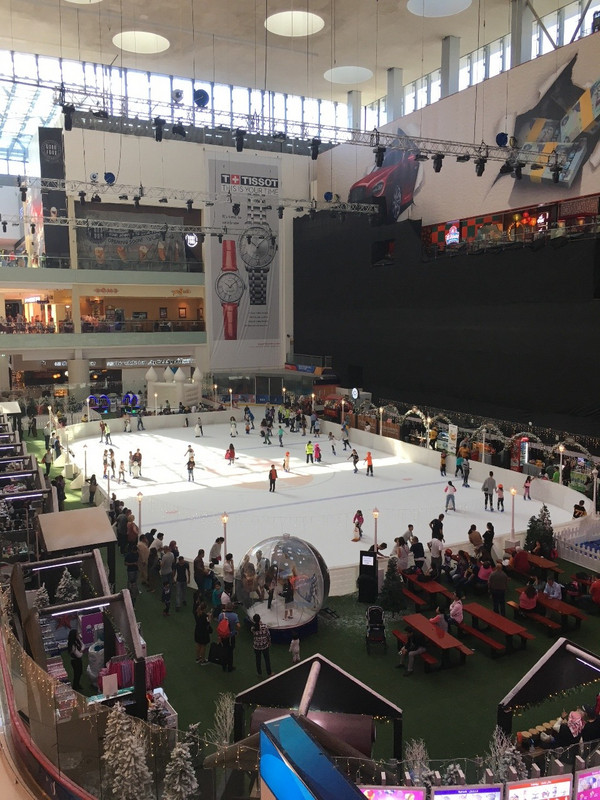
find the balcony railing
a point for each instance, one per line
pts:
(106, 326)
(22, 261)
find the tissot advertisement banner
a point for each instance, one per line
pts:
(452, 438)
(243, 279)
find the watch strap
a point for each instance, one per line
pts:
(257, 287)
(228, 256)
(230, 316)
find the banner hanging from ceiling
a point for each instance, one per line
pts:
(243, 279)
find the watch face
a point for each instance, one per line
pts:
(354, 394)
(230, 287)
(256, 247)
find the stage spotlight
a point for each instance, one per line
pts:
(136, 201)
(101, 113)
(82, 198)
(4, 227)
(280, 212)
(239, 139)
(220, 238)
(421, 157)
(202, 238)
(189, 204)
(506, 168)
(68, 110)
(23, 194)
(179, 130)
(32, 227)
(159, 127)
(555, 170)
(163, 200)
(480, 166)
(123, 197)
(96, 198)
(437, 162)
(463, 159)
(519, 170)
(314, 149)
(201, 98)
(379, 154)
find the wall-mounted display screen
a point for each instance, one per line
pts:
(587, 784)
(489, 792)
(393, 792)
(554, 787)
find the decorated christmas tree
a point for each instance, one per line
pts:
(127, 773)
(502, 755)
(391, 597)
(66, 591)
(540, 530)
(41, 598)
(180, 778)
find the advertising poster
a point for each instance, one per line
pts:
(243, 285)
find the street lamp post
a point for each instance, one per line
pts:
(155, 404)
(312, 397)
(342, 419)
(224, 519)
(85, 462)
(561, 450)
(50, 416)
(595, 479)
(483, 433)
(284, 390)
(513, 493)
(215, 392)
(67, 456)
(231, 398)
(375, 517)
(139, 499)
(381, 420)
(88, 409)
(428, 429)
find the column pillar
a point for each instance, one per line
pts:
(521, 31)
(79, 378)
(395, 93)
(4, 373)
(354, 109)
(450, 65)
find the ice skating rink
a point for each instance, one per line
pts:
(315, 502)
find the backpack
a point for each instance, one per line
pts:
(223, 629)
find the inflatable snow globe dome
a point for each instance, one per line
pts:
(286, 581)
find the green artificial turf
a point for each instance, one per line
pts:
(453, 710)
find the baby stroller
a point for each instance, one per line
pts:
(375, 628)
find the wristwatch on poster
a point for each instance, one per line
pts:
(230, 288)
(256, 246)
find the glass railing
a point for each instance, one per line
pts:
(21, 261)
(106, 326)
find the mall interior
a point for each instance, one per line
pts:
(393, 202)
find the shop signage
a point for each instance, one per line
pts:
(149, 362)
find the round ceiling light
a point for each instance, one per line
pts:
(294, 23)
(141, 42)
(437, 8)
(348, 75)
(84, 2)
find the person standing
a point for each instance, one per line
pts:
(527, 488)
(437, 527)
(198, 428)
(92, 489)
(130, 463)
(488, 540)
(309, 452)
(215, 551)
(75, 650)
(102, 428)
(287, 593)
(182, 579)
(47, 432)
(459, 466)
(228, 636)
(190, 468)
(202, 630)
(317, 453)
(280, 435)
(345, 439)
(261, 642)
(47, 460)
(230, 454)
(228, 573)
(466, 470)
(354, 456)
(140, 421)
(272, 478)
(436, 547)
(286, 462)
(199, 570)
(500, 496)
(497, 585)
(121, 472)
(368, 460)
(358, 521)
(107, 437)
(331, 440)
(450, 491)
(232, 427)
(294, 648)
(143, 556)
(113, 463)
(167, 565)
(443, 463)
(488, 487)
(418, 552)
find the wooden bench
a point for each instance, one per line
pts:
(429, 660)
(548, 623)
(496, 648)
(418, 601)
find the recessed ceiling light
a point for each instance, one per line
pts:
(84, 2)
(437, 8)
(348, 75)
(294, 23)
(141, 42)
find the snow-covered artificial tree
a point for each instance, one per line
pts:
(66, 591)
(127, 774)
(41, 600)
(416, 758)
(180, 779)
(502, 755)
(220, 733)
